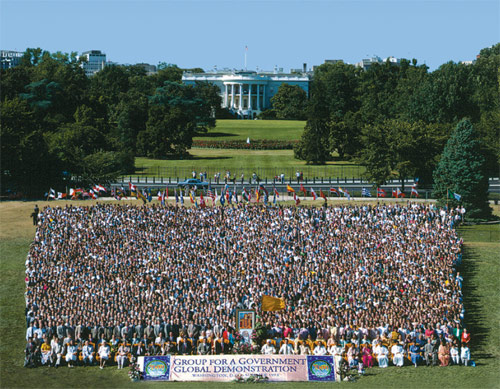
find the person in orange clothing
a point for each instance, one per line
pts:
(465, 337)
(444, 353)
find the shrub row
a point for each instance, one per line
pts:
(261, 144)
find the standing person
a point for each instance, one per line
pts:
(34, 215)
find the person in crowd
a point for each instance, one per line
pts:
(87, 354)
(465, 355)
(104, 354)
(320, 348)
(415, 353)
(286, 348)
(454, 353)
(122, 355)
(268, 348)
(397, 352)
(444, 353)
(71, 353)
(430, 352)
(367, 356)
(46, 352)
(381, 353)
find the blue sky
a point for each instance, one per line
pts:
(277, 32)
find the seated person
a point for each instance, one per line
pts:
(381, 353)
(430, 352)
(367, 356)
(320, 348)
(46, 351)
(444, 353)
(104, 352)
(122, 355)
(397, 355)
(286, 348)
(415, 354)
(203, 347)
(71, 351)
(268, 348)
(352, 356)
(87, 353)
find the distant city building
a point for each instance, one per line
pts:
(10, 59)
(247, 93)
(367, 62)
(96, 61)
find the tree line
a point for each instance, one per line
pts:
(59, 126)
(395, 120)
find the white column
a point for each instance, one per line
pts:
(263, 97)
(225, 95)
(258, 97)
(241, 96)
(232, 96)
(249, 96)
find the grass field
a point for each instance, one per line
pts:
(481, 270)
(255, 129)
(265, 163)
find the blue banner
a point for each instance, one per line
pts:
(157, 367)
(320, 368)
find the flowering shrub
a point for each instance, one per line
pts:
(245, 348)
(260, 144)
(135, 373)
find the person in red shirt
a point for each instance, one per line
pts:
(465, 337)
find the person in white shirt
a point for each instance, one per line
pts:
(455, 357)
(103, 354)
(71, 351)
(286, 348)
(268, 348)
(465, 355)
(397, 355)
(381, 352)
(320, 349)
(87, 353)
(121, 357)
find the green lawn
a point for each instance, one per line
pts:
(255, 129)
(265, 163)
(480, 268)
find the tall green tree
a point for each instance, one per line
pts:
(313, 145)
(461, 170)
(289, 102)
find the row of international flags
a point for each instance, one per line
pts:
(227, 195)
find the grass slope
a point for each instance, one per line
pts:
(255, 129)
(481, 270)
(265, 163)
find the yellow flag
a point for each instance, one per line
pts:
(290, 189)
(270, 303)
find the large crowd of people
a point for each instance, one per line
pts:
(365, 283)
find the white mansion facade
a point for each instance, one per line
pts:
(247, 93)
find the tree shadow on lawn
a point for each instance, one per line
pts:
(192, 158)
(215, 135)
(474, 319)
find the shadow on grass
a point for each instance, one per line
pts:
(195, 158)
(474, 319)
(215, 135)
